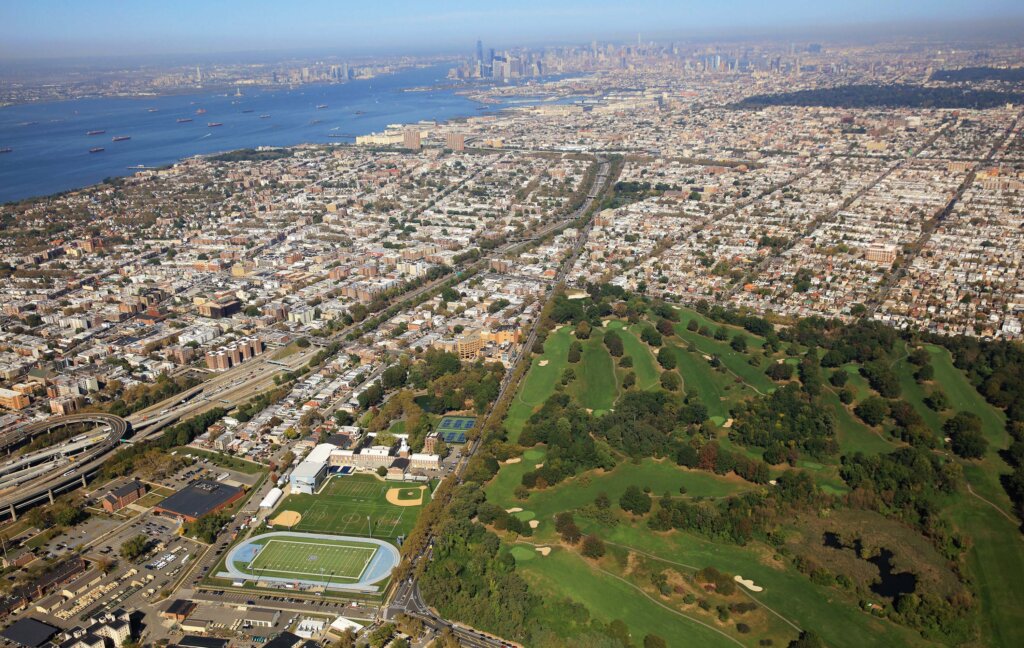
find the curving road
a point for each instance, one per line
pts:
(85, 466)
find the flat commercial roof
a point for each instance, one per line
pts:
(195, 641)
(199, 498)
(29, 632)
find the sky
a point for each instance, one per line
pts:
(83, 28)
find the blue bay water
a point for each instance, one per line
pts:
(52, 154)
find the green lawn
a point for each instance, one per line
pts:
(566, 574)
(851, 433)
(996, 557)
(996, 560)
(832, 614)
(500, 489)
(708, 385)
(735, 361)
(661, 476)
(345, 503)
(539, 382)
(645, 366)
(298, 557)
(596, 386)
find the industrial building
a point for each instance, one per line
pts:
(198, 499)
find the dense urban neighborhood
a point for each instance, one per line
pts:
(682, 345)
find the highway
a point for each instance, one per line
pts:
(86, 465)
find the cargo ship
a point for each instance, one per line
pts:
(321, 106)
(121, 138)
(98, 149)
(6, 149)
(264, 116)
(99, 132)
(201, 111)
(154, 110)
(184, 120)
(214, 124)
(248, 111)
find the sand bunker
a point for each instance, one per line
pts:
(727, 424)
(534, 524)
(513, 460)
(286, 519)
(540, 465)
(749, 584)
(393, 496)
(514, 509)
(542, 363)
(543, 550)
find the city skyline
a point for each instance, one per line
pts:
(75, 29)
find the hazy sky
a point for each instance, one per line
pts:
(49, 28)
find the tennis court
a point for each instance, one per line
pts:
(453, 429)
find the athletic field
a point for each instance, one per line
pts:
(302, 558)
(356, 505)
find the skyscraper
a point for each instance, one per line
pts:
(479, 50)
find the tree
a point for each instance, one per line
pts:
(665, 327)
(382, 470)
(651, 336)
(872, 410)
(671, 381)
(565, 525)
(134, 547)
(613, 342)
(739, 343)
(583, 330)
(807, 639)
(592, 547)
(575, 352)
(666, 358)
(654, 641)
(635, 501)
(780, 371)
(965, 435)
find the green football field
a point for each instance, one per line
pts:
(315, 558)
(356, 505)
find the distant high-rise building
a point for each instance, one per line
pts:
(479, 50)
(411, 139)
(455, 141)
(199, 76)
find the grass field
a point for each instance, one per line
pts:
(540, 381)
(499, 490)
(661, 476)
(735, 361)
(344, 504)
(831, 613)
(596, 386)
(644, 364)
(297, 557)
(565, 574)
(711, 387)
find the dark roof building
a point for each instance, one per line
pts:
(198, 499)
(179, 609)
(195, 641)
(284, 640)
(29, 632)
